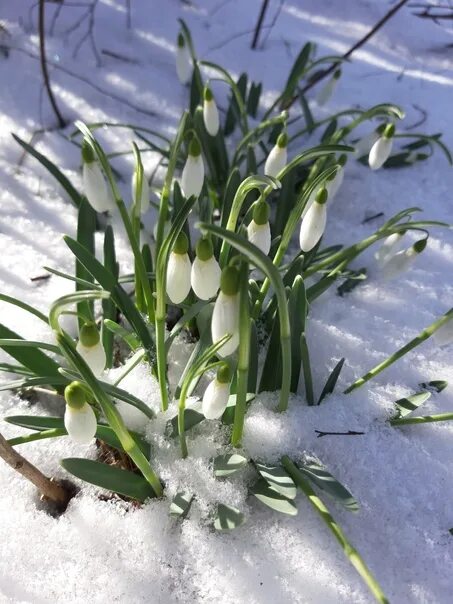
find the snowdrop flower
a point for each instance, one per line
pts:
(193, 172)
(362, 147)
(277, 158)
(401, 261)
(210, 112)
(334, 183)
(327, 90)
(314, 222)
(387, 249)
(382, 148)
(259, 230)
(225, 316)
(444, 335)
(91, 349)
(215, 398)
(94, 185)
(144, 202)
(79, 418)
(205, 275)
(178, 270)
(183, 60)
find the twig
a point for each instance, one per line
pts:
(116, 55)
(273, 22)
(370, 218)
(42, 54)
(40, 278)
(422, 120)
(259, 23)
(320, 433)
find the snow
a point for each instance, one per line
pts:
(105, 551)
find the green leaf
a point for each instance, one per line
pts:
(228, 518)
(86, 226)
(191, 419)
(322, 478)
(355, 279)
(331, 381)
(180, 504)
(309, 121)
(434, 385)
(31, 381)
(227, 464)
(113, 479)
(24, 306)
(273, 498)
(279, 480)
(127, 336)
(298, 310)
(254, 99)
(109, 311)
(406, 405)
(228, 414)
(296, 72)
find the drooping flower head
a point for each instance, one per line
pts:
(193, 172)
(183, 60)
(205, 275)
(259, 230)
(178, 270)
(79, 418)
(94, 186)
(210, 112)
(225, 316)
(382, 148)
(328, 89)
(314, 222)
(400, 262)
(388, 248)
(215, 398)
(90, 348)
(278, 157)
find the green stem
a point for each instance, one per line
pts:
(28, 438)
(421, 419)
(350, 552)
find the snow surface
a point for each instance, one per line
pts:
(101, 551)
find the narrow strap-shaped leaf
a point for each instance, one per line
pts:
(331, 380)
(274, 499)
(322, 478)
(228, 518)
(406, 405)
(278, 479)
(180, 504)
(127, 336)
(24, 306)
(32, 358)
(108, 307)
(306, 367)
(86, 226)
(227, 464)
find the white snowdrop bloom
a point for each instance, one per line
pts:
(144, 202)
(314, 222)
(94, 186)
(259, 230)
(225, 316)
(215, 398)
(401, 261)
(210, 113)
(277, 158)
(390, 245)
(79, 418)
(444, 335)
(382, 148)
(363, 146)
(178, 270)
(193, 172)
(205, 275)
(91, 349)
(183, 61)
(328, 89)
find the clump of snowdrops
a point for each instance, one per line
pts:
(237, 253)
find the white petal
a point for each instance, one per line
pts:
(444, 335)
(260, 235)
(380, 152)
(144, 204)
(211, 117)
(333, 186)
(183, 64)
(225, 320)
(215, 399)
(178, 277)
(363, 146)
(94, 357)
(80, 423)
(326, 91)
(192, 176)
(205, 278)
(309, 203)
(312, 227)
(399, 263)
(387, 249)
(95, 188)
(276, 161)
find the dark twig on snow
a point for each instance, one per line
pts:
(259, 23)
(320, 433)
(40, 278)
(370, 218)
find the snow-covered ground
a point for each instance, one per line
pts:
(403, 478)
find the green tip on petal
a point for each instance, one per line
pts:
(389, 131)
(229, 281)
(89, 335)
(181, 41)
(207, 95)
(75, 395)
(224, 374)
(195, 147)
(322, 195)
(380, 129)
(282, 140)
(342, 159)
(420, 245)
(337, 74)
(204, 249)
(261, 212)
(87, 153)
(182, 244)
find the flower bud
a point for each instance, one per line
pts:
(225, 316)
(210, 113)
(79, 418)
(401, 261)
(327, 90)
(205, 275)
(178, 270)
(183, 61)
(259, 230)
(90, 348)
(193, 172)
(94, 185)
(144, 202)
(390, 245)
(314, 222)
(215, 398)
(382, 148)
(277, 158)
